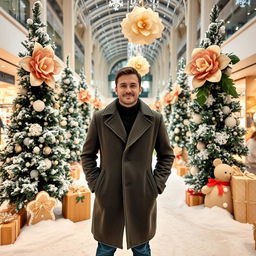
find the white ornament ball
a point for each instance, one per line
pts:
(235, 133)
(76, 141)
(78, 153)
(41, 140)
(68, 151)
(230, 122)
(176, 130)
(47, 150)
(34, 174)
(200, 146)
(56, 162)
(73, 153)
(48, 163)
(27, 164)
(226, 110)
(18, 106)
(194, 170)
(29, 21)
(68, 135)
(71, 110)
(228, 99)
(20, 123)
(197, 118)
(18, 148)
(177, 116)
(41, 145)
(63, 123)
(26, 141)
(8, 160)
(38, 106)
(45, 123)
(64, 98)
(188, 134)
(36, 150)
(176, 138)
(186, 122)
(66, 81)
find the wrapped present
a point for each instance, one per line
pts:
(76, 204)
(193, 198)
(75, 169)
(243, 187)
(22, 213)
(182, 170)
(9, 227)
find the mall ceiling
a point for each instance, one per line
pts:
(106, 28)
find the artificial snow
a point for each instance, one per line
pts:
(181, 231)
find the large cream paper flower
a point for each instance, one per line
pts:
(140, 64)
(142, 26)
(206, 65)
(42, 65)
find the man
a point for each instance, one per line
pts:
(126, 132)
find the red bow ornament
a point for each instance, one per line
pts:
(220, 184)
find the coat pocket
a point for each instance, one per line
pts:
(99, 182)
(152, 182)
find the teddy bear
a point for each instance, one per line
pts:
(181, 157)
(218, 191)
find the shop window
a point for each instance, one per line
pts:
(18, 9)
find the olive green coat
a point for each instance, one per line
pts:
(125, 186)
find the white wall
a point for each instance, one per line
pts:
(242, 43)
(12, 34)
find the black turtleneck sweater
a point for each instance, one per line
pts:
(128, 115)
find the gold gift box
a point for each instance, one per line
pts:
(76, 204)
(244, 197)
(9, 231)
(182, 170)
(193, 199)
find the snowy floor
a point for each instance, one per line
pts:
(182, 231)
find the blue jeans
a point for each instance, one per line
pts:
(140, 250)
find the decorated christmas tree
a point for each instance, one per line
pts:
(84, 98)
(167, 105)
(179, 119)
(33, 157)
(214, 127)
(71, 118)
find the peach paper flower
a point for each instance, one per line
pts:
(84, 96)
(96, 103)
(140, 64)
(142, 26)
(167, 98)
(175, 93)
(42, 65)
(158, 105)
(206, 65)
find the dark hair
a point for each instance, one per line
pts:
(128, 71)
(253, 135)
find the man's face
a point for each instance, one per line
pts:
(128, 90)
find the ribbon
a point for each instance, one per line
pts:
(41, 207)
(213, 182)
(77, 189)
(6, 217)
(193, 193)
(80, 198)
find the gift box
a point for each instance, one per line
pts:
(76, 204)
(22, 213)
(75, 169)
(243, 187)
(182, 170)
(9, 227)
(193, 198)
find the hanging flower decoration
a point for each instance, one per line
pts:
(96, 103)
(142, 26)
(140, 64)
(42, 65)
(84, 96)
(167, 98)
(206, 65)
(158, 105)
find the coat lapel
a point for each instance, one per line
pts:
(141, 124)
(114, 122)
